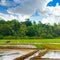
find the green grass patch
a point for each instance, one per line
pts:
(28, 41)
(35, 42)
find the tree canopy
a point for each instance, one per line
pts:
(16, 29)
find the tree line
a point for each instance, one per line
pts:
(27, 29)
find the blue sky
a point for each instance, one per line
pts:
(3, 9)
(34, 9)
(53, 3)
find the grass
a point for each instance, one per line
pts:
(48, 46)
(29, 41)
(36, 42)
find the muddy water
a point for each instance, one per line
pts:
(11, 54)
(35, 54)
(55, 54)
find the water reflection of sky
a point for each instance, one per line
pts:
(52, 54)
(10, 55)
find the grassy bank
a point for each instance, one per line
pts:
(28, 41)
(36, 42)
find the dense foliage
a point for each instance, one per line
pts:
(16, 29)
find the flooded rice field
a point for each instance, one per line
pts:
(55, 54)
(37, 55)
(12, 54)
(9, 53)
(48, 55)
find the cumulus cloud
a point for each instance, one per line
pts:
(53, 15)
(9, 3)
(3, 2)
(7, 17)
(26, 8)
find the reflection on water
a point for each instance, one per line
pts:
(10, 54)
(35, 54)
(13, 54)
(52, 54)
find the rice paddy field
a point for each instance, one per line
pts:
(39, 43)
(46, 49)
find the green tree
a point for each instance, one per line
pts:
(22, 30)
(5, 30)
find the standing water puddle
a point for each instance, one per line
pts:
(35, 54)
(52, 54)
(11, 54)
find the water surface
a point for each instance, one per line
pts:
(52, 54)
(10, 54)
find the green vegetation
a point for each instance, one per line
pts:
(14, 29)
(15, 33)
(39, 43)
(29, 41)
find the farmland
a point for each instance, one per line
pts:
(39, 43)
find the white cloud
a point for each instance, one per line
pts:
(3, 2)
(49, 19)
(53, 15)
(7, 17)
(26, 8)
(54, 10)
(22, 18)
(9, 2)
